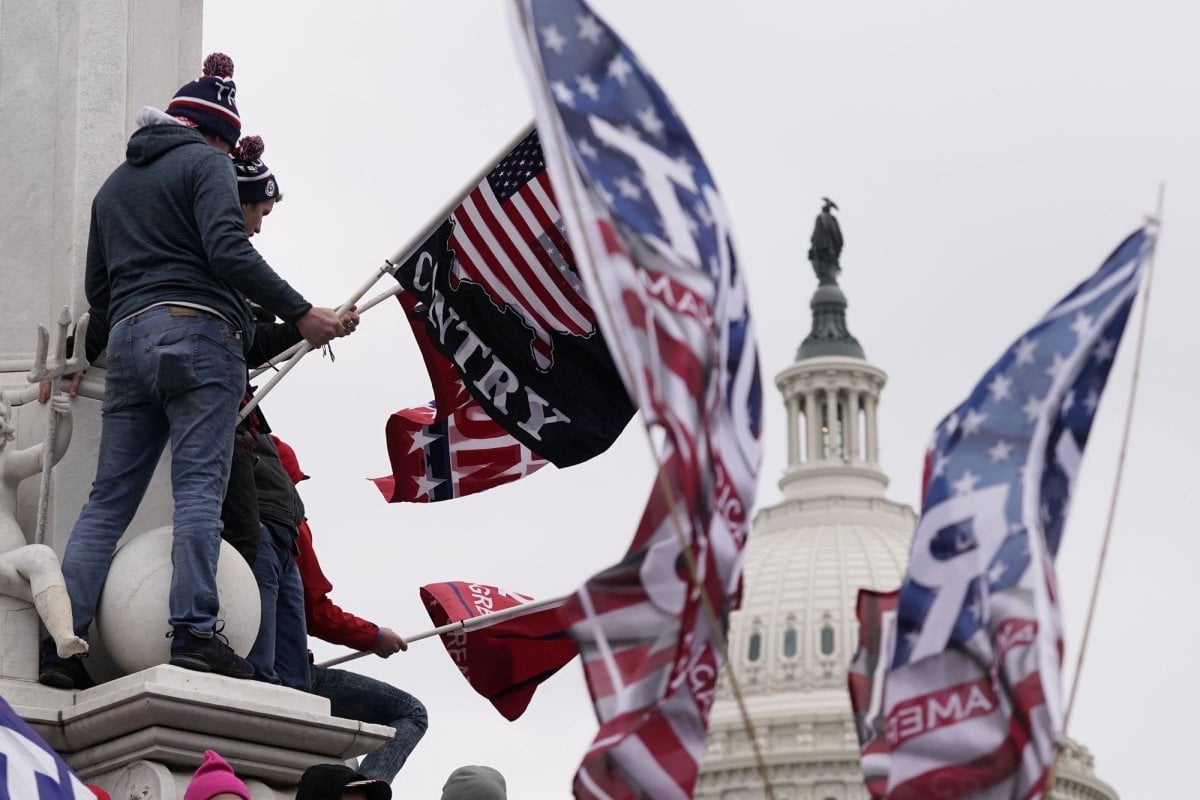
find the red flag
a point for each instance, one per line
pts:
(868, 672)
(504, 661)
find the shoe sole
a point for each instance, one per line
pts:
(56, 680)
(197, 664)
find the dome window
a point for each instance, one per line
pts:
(754, 652)
(827, 640)
(789, 643)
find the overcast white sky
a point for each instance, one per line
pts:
(985, 161)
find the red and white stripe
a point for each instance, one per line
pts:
(961, 724)
(515, 251)
(649, 653)
(205, 105)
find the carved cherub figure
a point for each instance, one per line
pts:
(31, 571)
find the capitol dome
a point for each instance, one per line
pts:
(832, 533)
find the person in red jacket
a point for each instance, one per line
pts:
(351, 695)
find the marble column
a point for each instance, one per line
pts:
(812, 418)
(850, 426)
(872, 450)
(792, 404)
(832, 449)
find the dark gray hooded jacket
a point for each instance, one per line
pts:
(167, 227)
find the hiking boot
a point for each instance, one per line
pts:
(207, 654)
(62, 673)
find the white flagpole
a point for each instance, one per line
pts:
(389, 265)
(468, 624)
(291, 351)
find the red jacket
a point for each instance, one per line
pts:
(326, 620)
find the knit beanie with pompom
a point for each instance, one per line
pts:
(255, 180)
(209, 102)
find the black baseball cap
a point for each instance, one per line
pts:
(327, 781)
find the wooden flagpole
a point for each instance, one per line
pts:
(389, 265)
(469, 624)
(1156, 222)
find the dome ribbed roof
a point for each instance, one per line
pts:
(804, 565)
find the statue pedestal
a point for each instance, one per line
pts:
(18, 638)
(147, 732)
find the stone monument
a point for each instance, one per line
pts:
(30, 573)
(71, 77)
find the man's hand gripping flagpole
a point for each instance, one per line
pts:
(389, 266)
(291, 351)
(468, 624)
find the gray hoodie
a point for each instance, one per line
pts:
(167, 227)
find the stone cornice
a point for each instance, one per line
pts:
(170, 715)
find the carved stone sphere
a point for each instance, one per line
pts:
(134, 605)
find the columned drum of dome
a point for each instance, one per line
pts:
(832, 533)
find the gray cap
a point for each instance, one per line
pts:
(475, 783)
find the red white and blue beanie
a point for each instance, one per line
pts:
(209, 101)
(255, 181)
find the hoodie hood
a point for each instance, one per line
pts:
(149, 115)
(287, 456)
(150, 142)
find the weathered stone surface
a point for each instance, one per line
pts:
(134, 608)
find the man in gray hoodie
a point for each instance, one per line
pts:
(168, 266)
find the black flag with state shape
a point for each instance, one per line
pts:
(497, 291)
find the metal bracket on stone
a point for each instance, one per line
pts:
(55, 370)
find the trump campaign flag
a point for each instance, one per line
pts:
(521, 373)
(506, 660)
(651, 237)
(29, 768)
(449, 447)
(966, 698)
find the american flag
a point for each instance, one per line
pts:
(972, 701)
(449, 447)
(653, 245)
(29, 768)
(521, 375)
(506, 239)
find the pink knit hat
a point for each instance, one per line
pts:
(213, 776)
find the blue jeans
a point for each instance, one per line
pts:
(354, 696)
(280, 653)
(174, 378)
